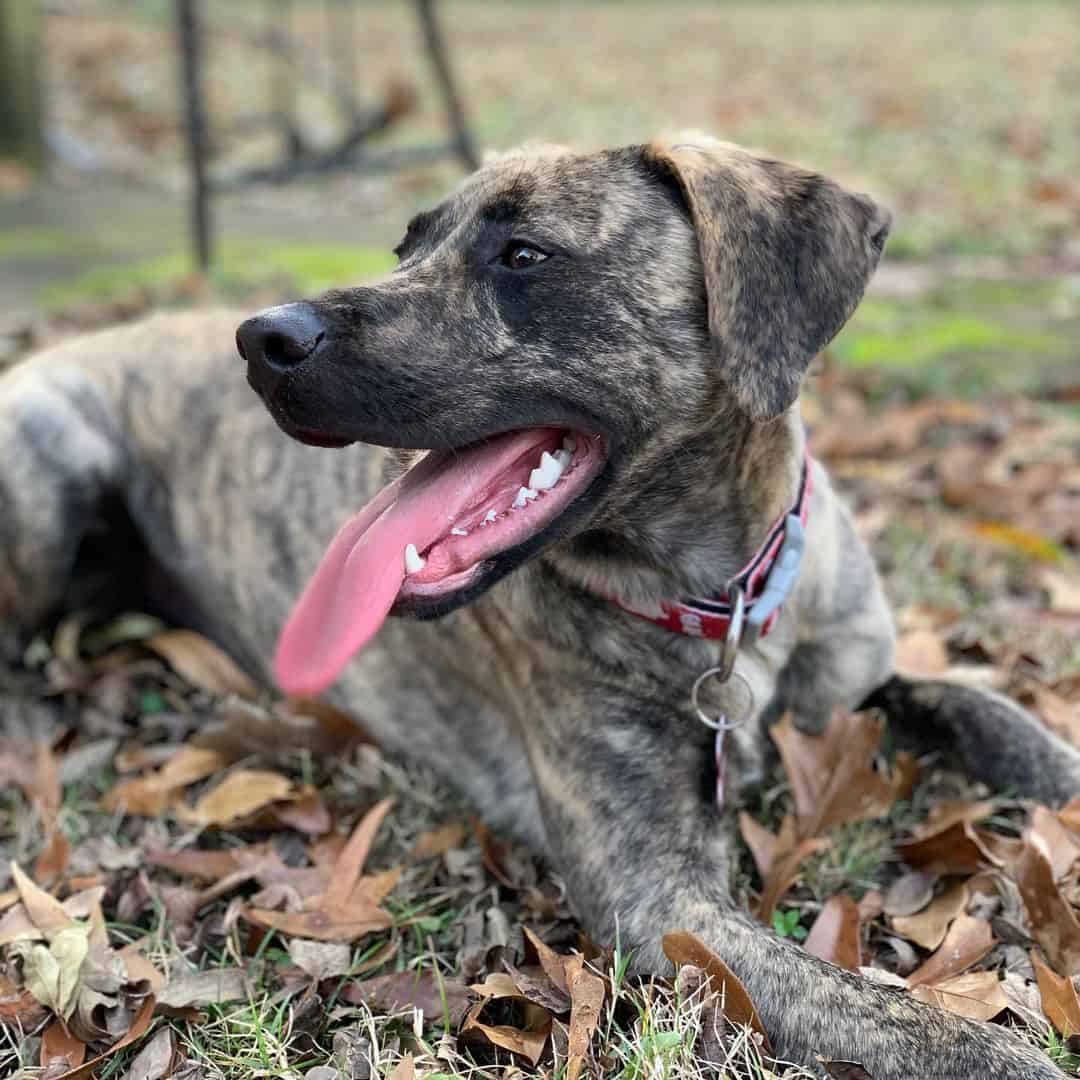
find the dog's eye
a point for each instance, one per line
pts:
(518, 256)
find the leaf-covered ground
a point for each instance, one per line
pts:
(192, 904)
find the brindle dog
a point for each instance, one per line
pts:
(653, 306)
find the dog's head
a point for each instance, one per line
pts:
(546, 322)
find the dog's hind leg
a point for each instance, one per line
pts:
(643, 852)
(982, 733)
(60, 456)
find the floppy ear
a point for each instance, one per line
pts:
(786, 255)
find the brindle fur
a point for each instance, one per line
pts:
(694, 284)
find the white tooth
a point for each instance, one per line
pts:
(459, 532)
(569, 443)
(413, 563)
(524, 495)
(547, 475)
(564, 457)
(489, 517)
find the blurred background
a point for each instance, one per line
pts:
(963, 118)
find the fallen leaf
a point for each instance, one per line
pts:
(1059, 998)
(60, 1049)
(977, 995)
(910, 893)
(682, 947)
(528, 1041)
(929, 926)
(348, 908)
(404, 1069)
(549, 960)
(844, 1070)
(835, 934)
(138, 1029)
(832, 776)
(439, 999)
(210, 987)
(201, 663)
(303, 811)
(1054, 924)
(438, 841)
(241, 793)
(320, 959)
(968, 940)
(151, 795)
(921, 652)
(586, 1000)
(155, 1060)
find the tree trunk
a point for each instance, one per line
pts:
(20, 87)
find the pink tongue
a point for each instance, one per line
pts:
(361, 573)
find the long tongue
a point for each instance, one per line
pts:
(361, 573)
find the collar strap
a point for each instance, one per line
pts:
(764, 583)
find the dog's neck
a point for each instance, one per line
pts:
(687, 517)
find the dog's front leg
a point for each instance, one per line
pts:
(624, 788)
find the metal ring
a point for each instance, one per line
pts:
(730, 649)
(723, 724)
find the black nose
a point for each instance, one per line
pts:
(279, 338)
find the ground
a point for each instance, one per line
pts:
(135, 779)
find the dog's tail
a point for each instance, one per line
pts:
(983, 733)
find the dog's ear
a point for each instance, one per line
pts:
(786, 255)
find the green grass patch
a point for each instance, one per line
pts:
(240, 267)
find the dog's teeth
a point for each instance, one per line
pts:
(489, 518)
(547, 475)
(564, 457)
(459, 532)
(525, 495)
(569, 443)
(413, 563)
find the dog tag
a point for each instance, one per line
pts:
(721, 763)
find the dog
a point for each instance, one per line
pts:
(567, 430)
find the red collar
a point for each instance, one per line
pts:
(764, 583)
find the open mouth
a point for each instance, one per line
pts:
(430, 537)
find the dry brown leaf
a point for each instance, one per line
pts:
(910, 893)
(156, 1059)
(550, 961)
(978, 995)
(404, 1069)
(210, 987)
(586, 1000)
(137, 1030)
(844, 1070)
(835, 934)
(958, 848)
(304, 811)
(60, 1049)
(968, 940)
(832, 776)
(242, 792)
(1059, 998)
(45, 911)
(18, 1007)
(347, 909)
(1052, 835)
(928, 927)
(921, 652)
(1061, 716)
(1054, 924)
(320, 959)
(151, 795)
(528, 1041)
(437, 998)
(682, 947)
(437, 841)
(201, 663)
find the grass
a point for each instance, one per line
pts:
(240, 269)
